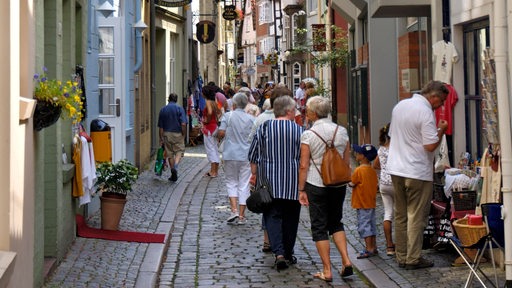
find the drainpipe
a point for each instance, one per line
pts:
(138, 40)
(91, 13)
(500, 58)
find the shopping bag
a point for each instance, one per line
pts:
(445, 226)
(442, 162)
(429, 232)
(159, 162)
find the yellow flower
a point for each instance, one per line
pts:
(64, 94)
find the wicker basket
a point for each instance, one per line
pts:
(468, 234)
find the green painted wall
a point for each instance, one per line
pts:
(59, 32)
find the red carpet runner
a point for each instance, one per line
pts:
(87, 232)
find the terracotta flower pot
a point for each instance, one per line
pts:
(111, 212)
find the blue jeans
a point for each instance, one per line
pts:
(282, 222)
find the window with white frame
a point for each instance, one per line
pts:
(265, 12)
(286, 21)
(266, 45)
(294, 28)
(313, 6)
(296, 75)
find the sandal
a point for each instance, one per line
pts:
(280, 263)
(210, 175)
(390, 250)
(266, 247)
(365, 254)
(321, 276)
(346, 271)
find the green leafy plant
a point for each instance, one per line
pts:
(62, 94)
(336, 53)
(116, 178)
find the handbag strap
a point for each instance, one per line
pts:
(332, 141)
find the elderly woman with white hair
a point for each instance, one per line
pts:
(325, 202)
(251, 108)
(235, 127)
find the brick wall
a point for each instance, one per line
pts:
(411, 58)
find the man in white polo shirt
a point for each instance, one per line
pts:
(415, 137)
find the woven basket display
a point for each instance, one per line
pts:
(468, 234)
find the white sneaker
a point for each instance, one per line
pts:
(232, 217)
(242, 220)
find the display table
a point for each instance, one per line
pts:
(439, 207)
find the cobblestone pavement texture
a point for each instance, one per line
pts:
(201, 250)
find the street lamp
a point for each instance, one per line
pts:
(106, 9)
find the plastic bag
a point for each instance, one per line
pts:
(159, 163)
(441, 157)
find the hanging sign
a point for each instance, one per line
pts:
(205, 31)
(172, 3)
(250, 71)
(229, 13)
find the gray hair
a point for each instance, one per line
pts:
(266, 105)
(436, 88)
(245, 90)
(282, 105)
(240, 100)
(319, 105)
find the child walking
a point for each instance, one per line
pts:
(364, 194)
(387, 192)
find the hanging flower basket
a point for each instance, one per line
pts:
(46, 114)
(54, 98)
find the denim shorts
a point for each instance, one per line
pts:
(366, 222)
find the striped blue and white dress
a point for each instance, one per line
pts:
(276, 150)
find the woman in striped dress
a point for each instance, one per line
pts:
(274, 157)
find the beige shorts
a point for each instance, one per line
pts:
(174, 143)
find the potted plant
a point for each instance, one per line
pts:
(114, 181)
(54, 97)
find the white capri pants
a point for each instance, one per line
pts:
(212, 148)
(237, 174)
(387, 192)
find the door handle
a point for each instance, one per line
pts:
(118, 107)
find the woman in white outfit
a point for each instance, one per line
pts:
(235, 127)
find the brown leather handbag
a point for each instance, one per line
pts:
(335, 171)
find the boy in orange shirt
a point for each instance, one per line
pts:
(364, 194)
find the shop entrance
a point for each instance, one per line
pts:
(476, 39)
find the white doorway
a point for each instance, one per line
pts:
(111, 96)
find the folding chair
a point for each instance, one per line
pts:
(494, 238)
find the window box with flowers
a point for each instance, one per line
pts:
(55, 99)
(114, 181)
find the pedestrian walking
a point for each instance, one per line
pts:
(172, 125)
(415, 137)
(210, 120)
(364, 197)
(235, 127)
(325, 203)
(274, 156)
(268, 114)
(386, 189)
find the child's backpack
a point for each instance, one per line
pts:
(334, 170)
